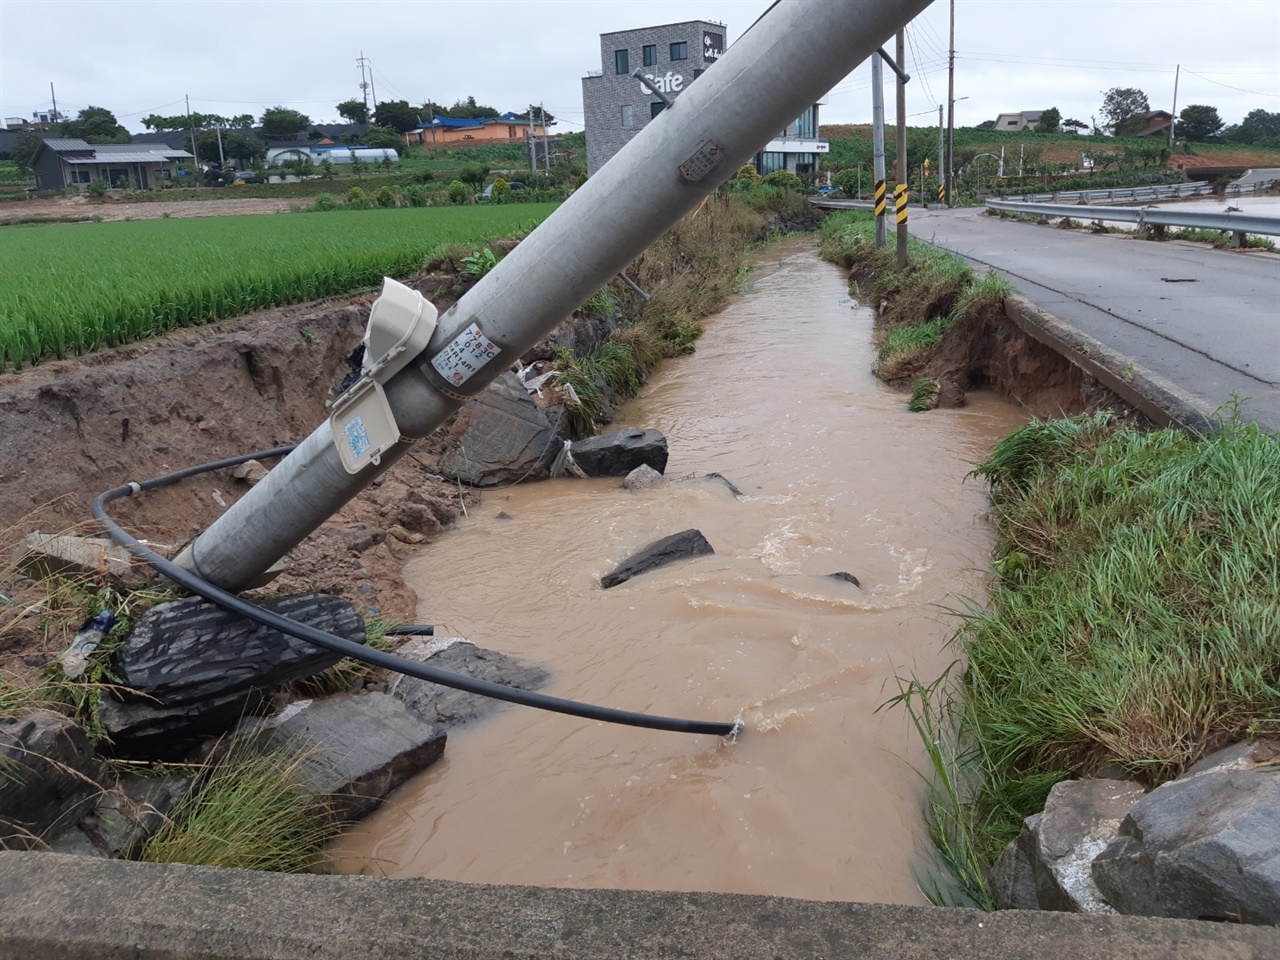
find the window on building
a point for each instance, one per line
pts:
(656, 108)
(650, 54)
(770, 160)
(680, 51)
(80, 176)
(628, 117)
(621, 62)
(806, 126)
(697, 74)
(806, 163)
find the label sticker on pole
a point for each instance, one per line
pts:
(464, 356)
(900, 200)
(706, 157)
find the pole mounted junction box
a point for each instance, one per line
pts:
(401, 323)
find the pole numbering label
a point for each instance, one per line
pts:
(464, 356)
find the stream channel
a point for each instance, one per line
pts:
(819, 797)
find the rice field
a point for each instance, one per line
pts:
(67, 290)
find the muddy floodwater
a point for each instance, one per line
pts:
(818, 797)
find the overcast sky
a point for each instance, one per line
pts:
(137, 57)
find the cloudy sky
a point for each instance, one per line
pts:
(138, 57)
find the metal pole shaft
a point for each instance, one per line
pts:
(798, 51)
(951, 109)
(877, 145)
(902, 178)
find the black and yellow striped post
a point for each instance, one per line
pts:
(900, 202)
(880, 212)
(942, 192)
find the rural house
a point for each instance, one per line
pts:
(447, 131)
(1023, 120)
(75, 163)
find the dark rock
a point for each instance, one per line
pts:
(448, 706)
(354, 750)
(49, 776)
(508, 438)
(355, 537)
(1080, 818)
(1012, 880)
(678, 546)
(125, 817)
(617, 454)
(503, 515)
(842, 575)
(1204, 846)
(190, 669)
(641, 477)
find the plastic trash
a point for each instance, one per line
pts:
(90, 634)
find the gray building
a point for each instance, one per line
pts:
(616, 105)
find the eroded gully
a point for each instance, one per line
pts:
(819, 797)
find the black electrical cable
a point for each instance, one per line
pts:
(377, 658)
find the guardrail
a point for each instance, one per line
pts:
(1237, 224)
(1169, 191)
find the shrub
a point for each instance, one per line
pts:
(325, 201)
(96, 188)
(500, 191)
(847, 181)
(479, 263)
(385, 197)
(416, 195)
(457, 192)
(784, 179)
(356, 197)
(748, 173)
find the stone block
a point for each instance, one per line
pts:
(678, 546)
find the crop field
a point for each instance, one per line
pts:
(72, 289)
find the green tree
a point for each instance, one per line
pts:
(748, 173)
(846, 181)
(379, 136)
(474, 176)
(470, 110)
(96, 125)
(457, 192)
(1050, 121)
(236, 145)
(354, 111)
(24, 151)
(326, 168)
(1072, 124)
(1199, 123)
(397, 115)
(1258, 127)
(501, 191)
(282, 122)
(1123, 109)
(783, 179)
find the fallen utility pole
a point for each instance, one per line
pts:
(787, 61)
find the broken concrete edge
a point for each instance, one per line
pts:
(69, 908)
(1154, 397)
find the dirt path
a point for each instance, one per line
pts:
(112, 209)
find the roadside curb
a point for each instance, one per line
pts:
(1153, 396)
(72, 908)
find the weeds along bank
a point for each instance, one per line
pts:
(1131, 626)
(251, 384)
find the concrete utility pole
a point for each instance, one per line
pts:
(364, 84)
(54, 97)
(795, 53)
(900, 188)
(951, 109)
(195, 154)
(1174, 116)
(877, 144)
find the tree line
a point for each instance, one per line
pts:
(237, 139)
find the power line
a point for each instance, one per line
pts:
(1230, 87)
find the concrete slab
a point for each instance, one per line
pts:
(65, 908)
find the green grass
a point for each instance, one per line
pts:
(915, 306)
(249, 812)
(1132, 621)
(74, 289)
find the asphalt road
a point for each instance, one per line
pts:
(1205, 320)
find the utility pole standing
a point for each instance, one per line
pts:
(195, 154)
(877, 142)
(1173, 117)
(364, 83)
(900, 185)
(951, 109)
(54, 97)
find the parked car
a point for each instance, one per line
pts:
(826, 190)
(513, 184)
